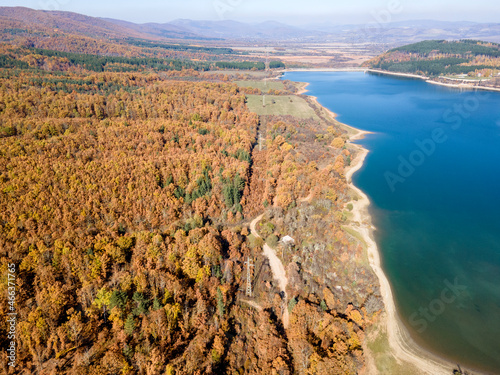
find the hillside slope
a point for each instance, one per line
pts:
(439, 57)
(26, 19)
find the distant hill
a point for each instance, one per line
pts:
(269, 30)
(17, 21)
(440, 57)
(394, 33)
(163, 30)
(404, 32)
(21, 18)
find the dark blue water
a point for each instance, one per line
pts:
(433, 177)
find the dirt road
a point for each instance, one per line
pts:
(277, 268)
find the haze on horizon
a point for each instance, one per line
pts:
(293, 12)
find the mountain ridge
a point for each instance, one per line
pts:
(393, 33)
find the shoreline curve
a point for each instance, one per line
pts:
(461, 86)
(402, 346)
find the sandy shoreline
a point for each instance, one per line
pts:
(315, 101)
(303, 89)
(397, 74)
(462, 86)
(403, 348)
(355, 134)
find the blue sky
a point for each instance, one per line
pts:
(289, 11)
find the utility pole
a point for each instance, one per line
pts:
(249, 277)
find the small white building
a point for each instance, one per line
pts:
(287, 240)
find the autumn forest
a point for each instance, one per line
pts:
(130, 172)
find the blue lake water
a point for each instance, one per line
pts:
(433, 177)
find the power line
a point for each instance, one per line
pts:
(249, 277)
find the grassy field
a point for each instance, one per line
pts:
(262, 85)
(281, 105)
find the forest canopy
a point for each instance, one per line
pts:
(129, 175)
(47, 59)
(440, 57)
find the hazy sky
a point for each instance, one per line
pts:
(289, 11)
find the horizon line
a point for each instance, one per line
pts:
(293, 24)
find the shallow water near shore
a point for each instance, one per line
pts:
(433, 178)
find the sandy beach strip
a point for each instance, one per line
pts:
(403, 348)
(462, 86)
(303, 88)
(315, 101)
(407, 75)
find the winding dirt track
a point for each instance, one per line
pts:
(403, 348)
(277, 268)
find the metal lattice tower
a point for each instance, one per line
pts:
(249, 277)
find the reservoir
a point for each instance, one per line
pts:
(433, 177)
